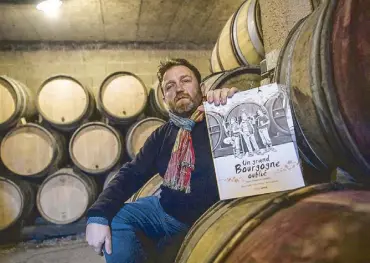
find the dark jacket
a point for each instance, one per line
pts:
(153, 158)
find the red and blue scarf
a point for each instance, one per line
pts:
(182, 162)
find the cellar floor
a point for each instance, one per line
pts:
(72, 249)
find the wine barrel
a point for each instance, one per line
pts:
(350, 67)
(17, 200)
(313, 224)
(32, 150)
(95, 147)
(240, 41)
(139, 133)
(64, 102)
(65, 196)
(122, 97)
(151, 188)
(315, 3)
(209, 80)
(214, 66)
(17, 102)
(158, 107)
(242, 78)
(111, 175)
(321, 62)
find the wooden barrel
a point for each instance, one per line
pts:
(65, 196)
(96, 147)
(240, 41)
(209, 80)
(214, 66)
(243, 78)
(315, 3)
(122, 97)
(111, 175)
(152, 187)
(64, 102)
(224, 50)
(320, 68)
(319, 223)
(17, 102)
(32, 150)
(350, 67)
(157, 106)
(17, 200)
(139, 133)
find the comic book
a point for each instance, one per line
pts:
(253, 143)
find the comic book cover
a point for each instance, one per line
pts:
(253, 143)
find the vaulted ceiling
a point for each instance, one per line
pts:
(178, 21)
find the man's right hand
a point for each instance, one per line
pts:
(97, 235)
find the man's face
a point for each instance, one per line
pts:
(232, 121)
(244, 117)
(181, 91)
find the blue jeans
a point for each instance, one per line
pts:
(145, 215)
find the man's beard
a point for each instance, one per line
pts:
(185, 109)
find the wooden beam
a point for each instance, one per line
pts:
(95, 45)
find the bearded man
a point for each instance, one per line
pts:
(180, 152)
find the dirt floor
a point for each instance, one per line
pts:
(62, 250)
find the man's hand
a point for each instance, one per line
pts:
(219, 96)
(97, 235)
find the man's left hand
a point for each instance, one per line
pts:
(219, 96)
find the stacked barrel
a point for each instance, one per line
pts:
(325, 67)
(240, 42)
(325, 64)
(60, 161)
(62, 145)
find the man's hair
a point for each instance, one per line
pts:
(169, 63)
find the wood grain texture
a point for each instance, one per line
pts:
(27, 151)
(64, 196)
(95, 147)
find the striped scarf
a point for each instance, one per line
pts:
(181, 164)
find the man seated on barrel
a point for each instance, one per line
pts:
(180, 152)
